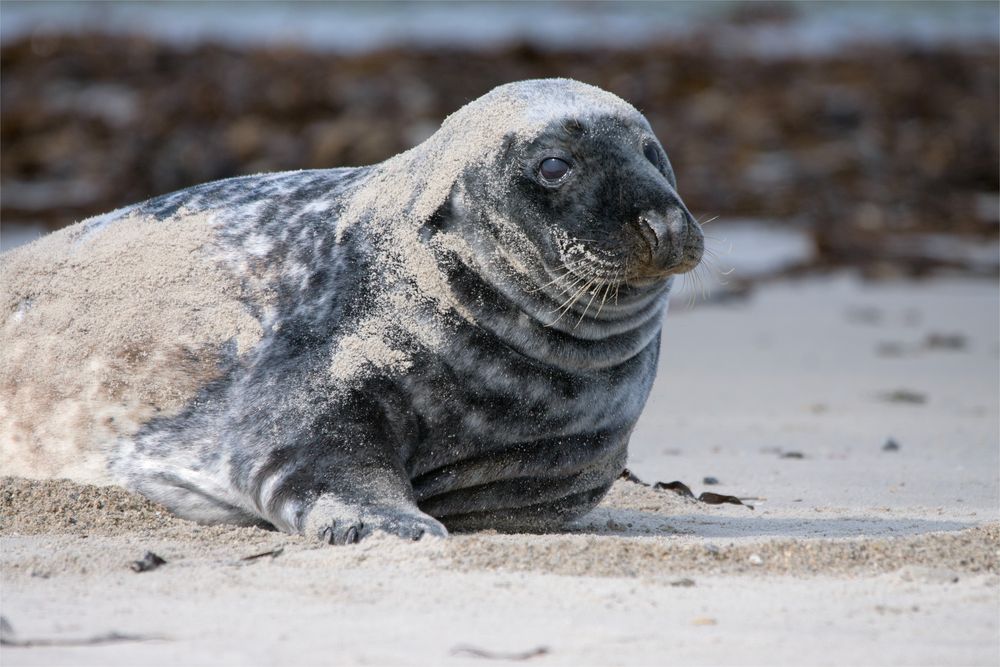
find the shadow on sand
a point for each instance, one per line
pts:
(713, 523)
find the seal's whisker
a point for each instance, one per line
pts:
(706, 281)
(692, 278)
(566, 289)
(569, 268)
(583, 290)
(710, 258)
(693, 293)
(719, 239)
(568, 276)
(589, 303)
(709, 261)
(553, 281)
(711, 266)
(568, 305)
(568, 301)
(584, 268)
(607, 291)
(698, 284)
(579, 293)
(713, 218)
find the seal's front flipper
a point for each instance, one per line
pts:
(342, 497)
(332, 521)
(332, 470)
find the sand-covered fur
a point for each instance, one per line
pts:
(105, 330)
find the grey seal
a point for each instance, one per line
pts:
(459, 338)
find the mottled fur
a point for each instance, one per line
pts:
(367, 405)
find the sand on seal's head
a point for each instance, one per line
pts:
(100, 335)
(413, 295)
(409, 188)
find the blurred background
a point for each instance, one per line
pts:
(821, 135)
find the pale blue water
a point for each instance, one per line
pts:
(815, 27)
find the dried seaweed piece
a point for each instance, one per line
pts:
(890, 446)
(939, 341)
(97, 640)
(792, 455)
(682, 583)
(707, 497)
(273, 553)
(710, 498)
(149, 562)
(680, 488)
(629, 476)
(904, 396)
(890, 349)
(710, 481)
(7, 638)
(500, 655)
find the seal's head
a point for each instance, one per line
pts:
(599, 195)
(590, 186)
(565, 181)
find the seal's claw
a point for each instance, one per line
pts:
(335, 523)
(343, 533)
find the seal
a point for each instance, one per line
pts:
(459, 338)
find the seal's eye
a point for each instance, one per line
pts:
(553, 168)
(653, 155)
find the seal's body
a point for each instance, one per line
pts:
(465, 333)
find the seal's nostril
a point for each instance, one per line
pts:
(658, 224)
(649, 234)
(668, 237)
(661, 231)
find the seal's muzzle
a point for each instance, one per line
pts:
(673, 240)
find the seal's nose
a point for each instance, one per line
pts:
(664, 232)
(672, 238)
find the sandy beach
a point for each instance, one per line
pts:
(859, 420)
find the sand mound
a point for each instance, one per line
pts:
(34, 507)
(628, 535)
